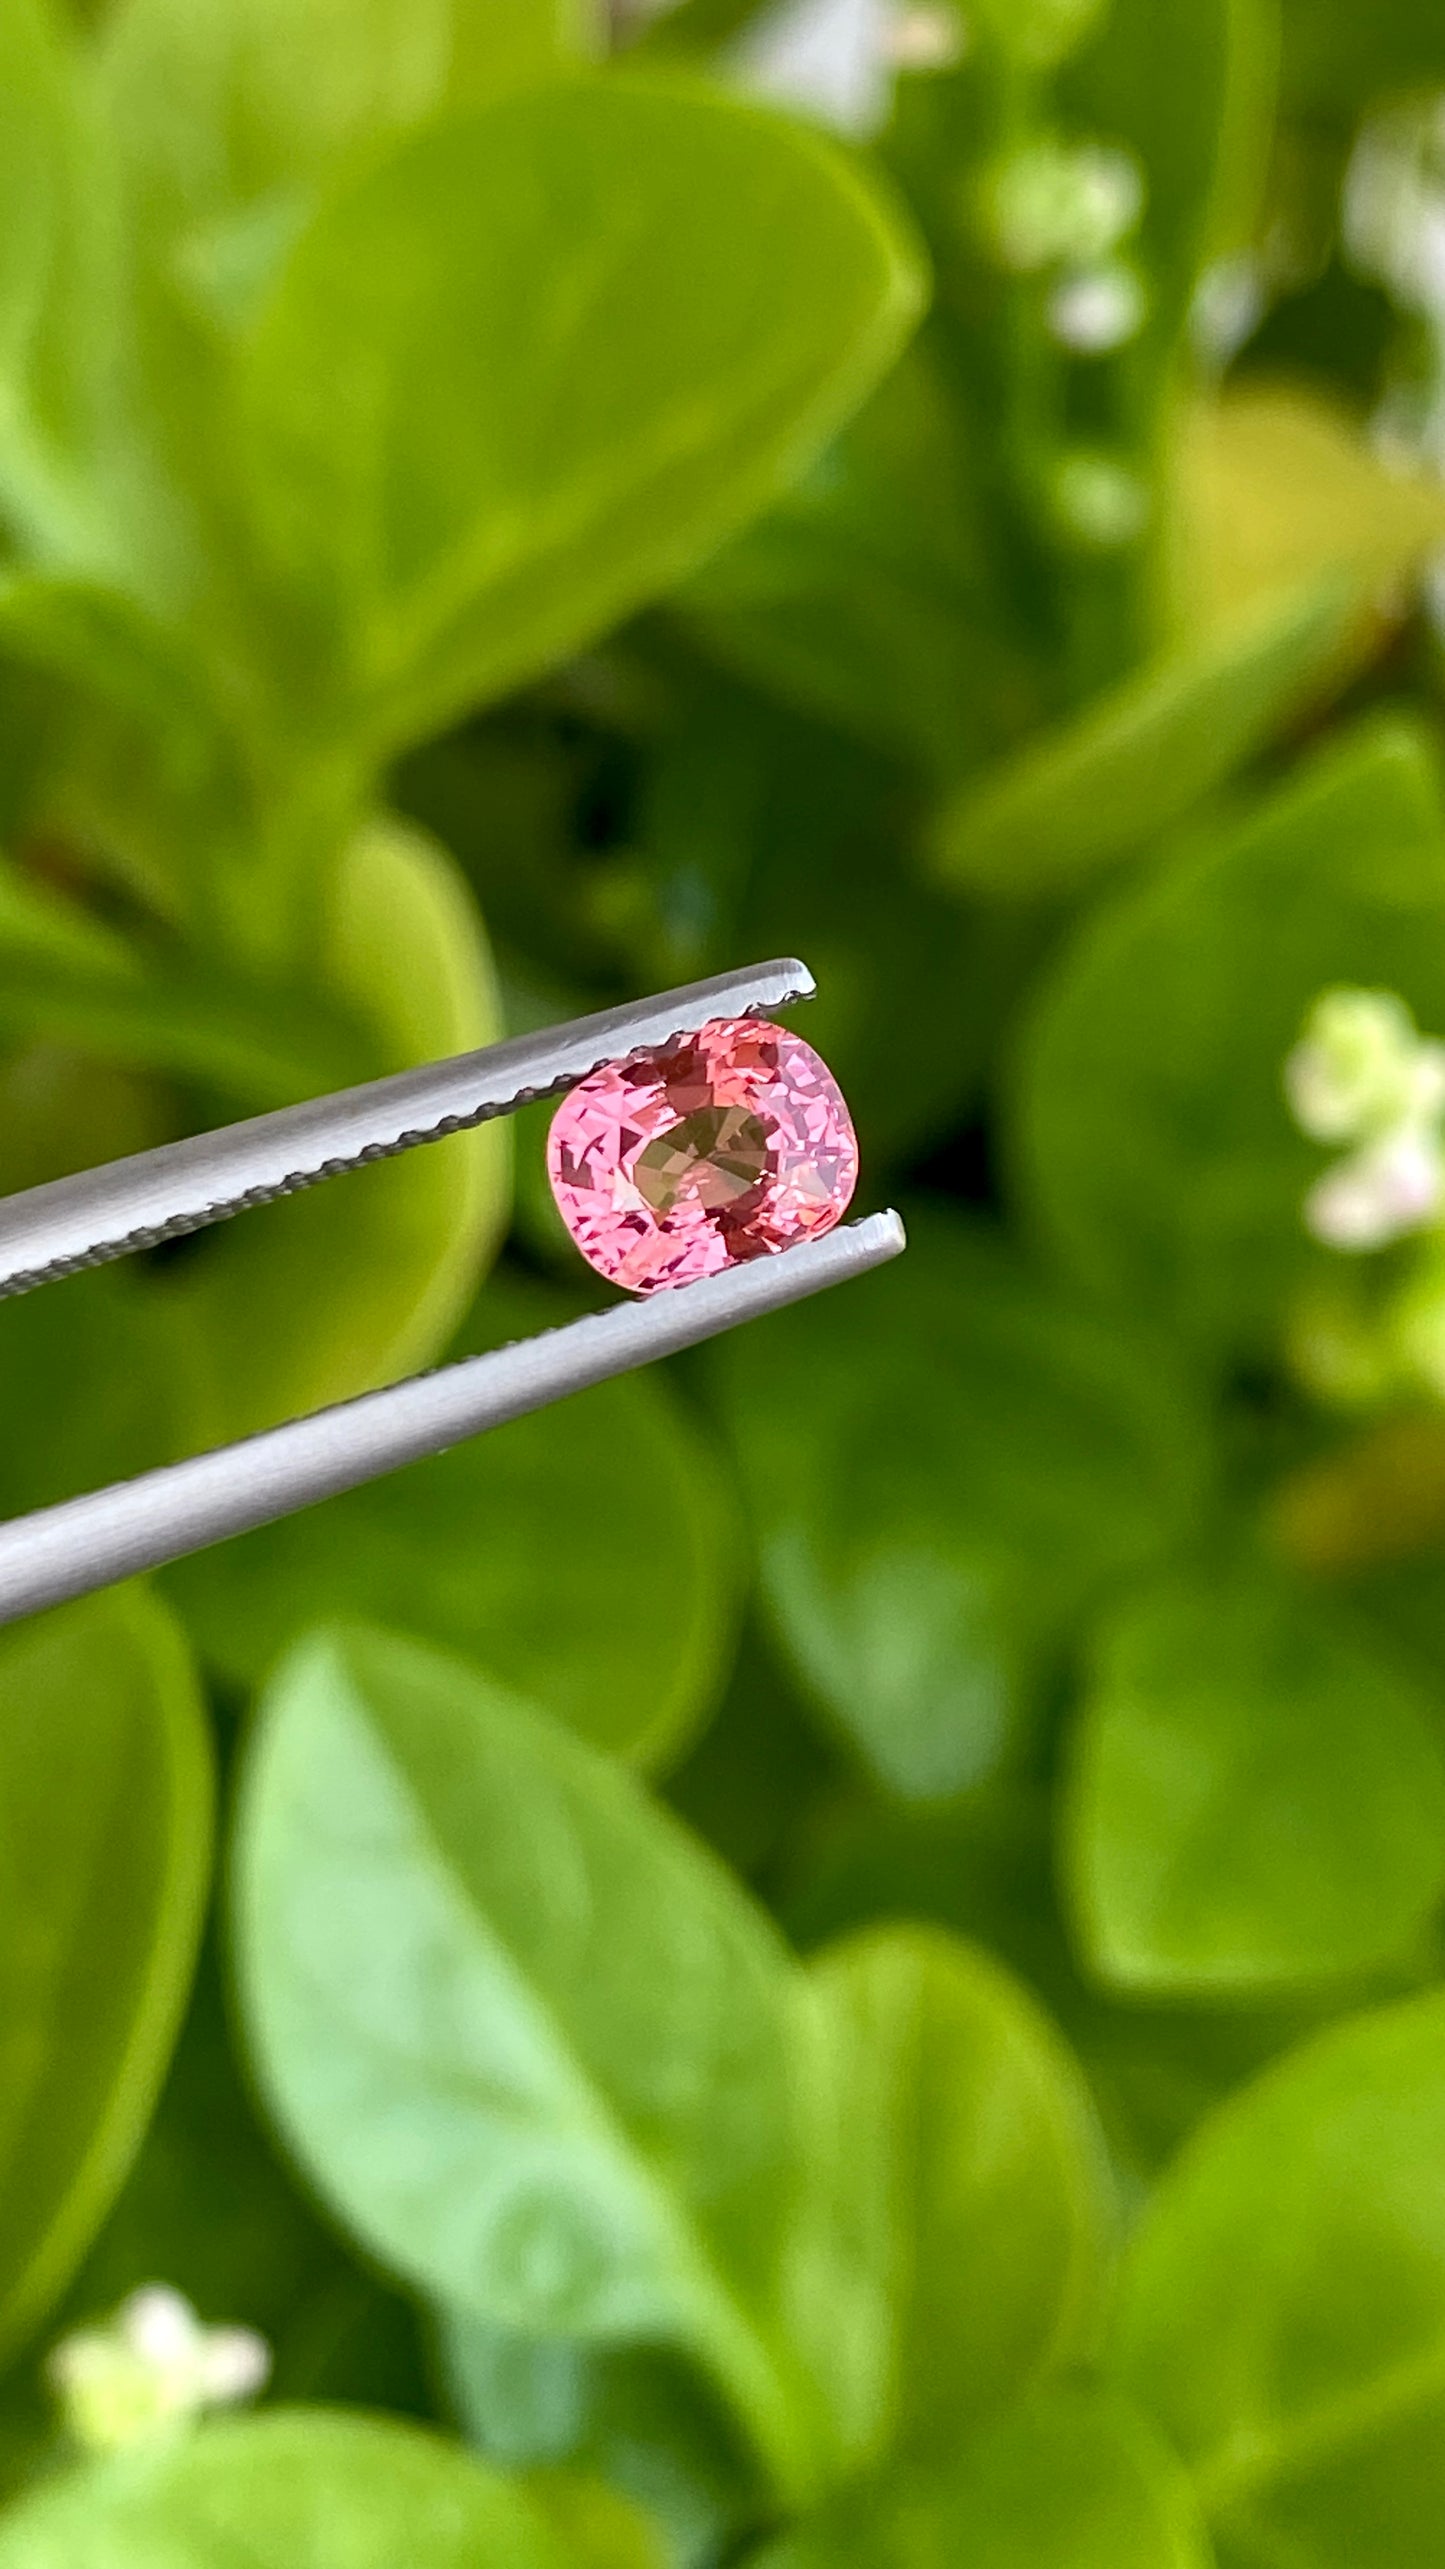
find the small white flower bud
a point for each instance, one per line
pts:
(1360, 1068)
(234, 2364)
(1052, 203)
(1394, 202)
(1383, 1191)
(1096, 309)
(151, 2370)
(158, 2324)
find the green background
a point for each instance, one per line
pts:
(830, 1955)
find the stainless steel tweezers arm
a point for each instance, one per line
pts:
(52, 1231)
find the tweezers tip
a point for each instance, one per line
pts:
(798, 980)
(885, 1234)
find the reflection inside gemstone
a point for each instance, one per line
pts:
(715, 1155)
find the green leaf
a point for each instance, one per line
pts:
(68, 978)
(985, 1869)
(1258, 1797)
(60, 1112)
(617, 1619)
(973, 2163)
(105, 1823)
(331, 1292)
(1071, 2480)
(1279, 488)
(88, 1386)
(1283, 2306)
(137, 763)
(526, 2036)
(945, 1465)
(304, 2489)
(1137, 760)
(636, 310)
(57, 292)
(593, 2528)
(1152, 1133)
(304, 1301)
(227, 106)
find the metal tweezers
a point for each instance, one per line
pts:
(76, 1222)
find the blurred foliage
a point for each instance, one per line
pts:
(833, 1958)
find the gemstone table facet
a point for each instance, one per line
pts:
(721, 1146)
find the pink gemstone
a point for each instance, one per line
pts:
(721, 1146)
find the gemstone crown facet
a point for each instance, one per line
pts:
(718, 1147)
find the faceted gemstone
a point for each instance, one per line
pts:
(720, 1146)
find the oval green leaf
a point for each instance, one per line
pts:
(634, 309)
(105, 1834)
(311, 2489)
(618, 1619)
(1283, 2305)
(972, 2162)
(528, 2038)
(1258, 1796)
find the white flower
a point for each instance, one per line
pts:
(1095, 309)
(827, 59)
(153, 2367)
(1394, 202)
(1361, 1070)
(1379, 1193)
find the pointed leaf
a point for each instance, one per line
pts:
(1138, 759)
(526, 2036)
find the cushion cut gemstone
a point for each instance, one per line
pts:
(720, 1146)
